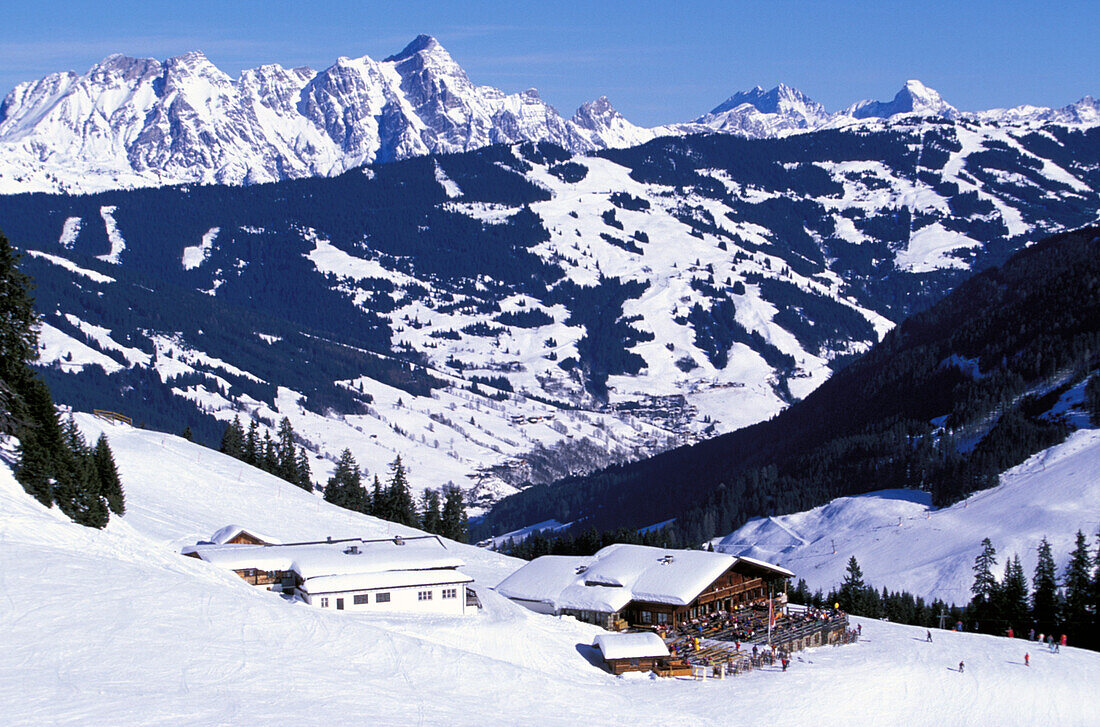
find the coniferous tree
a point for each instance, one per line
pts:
(431, 519)
(345, 487)
(850, 595)
(233, 442)
(253, 454)
(1077, 582)
(188, 434)
(378, 504)
(398, 496)
(267, 456)
(453, 522)
(286, 453)
(1044, 598)
(1013, 591)
(110, 486)
(302, 475)
(984, 590)
(1096, 595)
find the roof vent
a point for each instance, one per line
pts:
(398, 540)
(328, 538)
(667, 560)
(581, 569)
(351, 550)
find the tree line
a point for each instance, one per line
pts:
(440, 511)
(54, 464)
(280, 456)
(1067, 605)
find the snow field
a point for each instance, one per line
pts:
(114, 627)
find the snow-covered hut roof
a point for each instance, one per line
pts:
(619, 574)
(224, 535)
(344, 557)
(630, 646)
(777, 569)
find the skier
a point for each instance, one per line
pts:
(960, 667)
(1010, 632)
(1031, 635)
(929, 638)
(1027, 659)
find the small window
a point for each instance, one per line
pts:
(424, 596)
(339, 604)
(362, 598)
(450, 593)
(647, 617)
(383, 597)
(634, 663)
(324, 603)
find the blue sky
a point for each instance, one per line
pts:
(657, 61)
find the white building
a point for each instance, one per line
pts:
(414, 574)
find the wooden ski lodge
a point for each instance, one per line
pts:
(636, 586)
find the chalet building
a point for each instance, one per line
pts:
(644, 651)
(414, 574)
(625, 586)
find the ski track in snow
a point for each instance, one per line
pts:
(115, 627)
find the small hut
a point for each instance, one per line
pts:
(644, 651)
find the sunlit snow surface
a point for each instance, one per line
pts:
(114, 627)
(903, 543)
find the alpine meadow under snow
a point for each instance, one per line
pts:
(162, 639)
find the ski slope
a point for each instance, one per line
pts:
(903, 543)
(113, 627)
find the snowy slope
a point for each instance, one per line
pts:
(114, 627)
(903, 543)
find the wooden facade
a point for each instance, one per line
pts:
(737, 587)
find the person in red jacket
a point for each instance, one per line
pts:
(1027, 659)
(1010, 632)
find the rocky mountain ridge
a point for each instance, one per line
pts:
(131, 122)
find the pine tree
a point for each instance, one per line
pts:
(267, 456)
(1096, 596)
(345, 487)
(286, 453)
(188, 434)
(110, 486)
(233, 442)
(253, 454)
(1044, 597)
(378, 505)
(985, 588)
(851, 589)
(398, 496)
(431, 519)
(303, 477)
(18, 323)
(453, 523)
(1077, 582)
(1013, 591)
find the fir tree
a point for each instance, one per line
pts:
(188, 434)
(18, 323)
(1077, 581)
(267, 456)
(253, 454)
(1013, 591)
(851, 589)
(233, 442)
(1044, 597)
(286, 453)
(984, 589)
(302, 476)
(453, 523)
(378, 505)
(398, 497)
(345, 487)
(431, 519)
(110, 486)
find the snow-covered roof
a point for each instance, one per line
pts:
(777, 569)
(345, 557)
(619, 574)
(386, 579)
(229, 532)
(630, 646)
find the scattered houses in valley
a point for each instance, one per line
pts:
(413, 574)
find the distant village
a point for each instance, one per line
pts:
(676, 613)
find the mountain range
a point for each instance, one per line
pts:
(518, 313)
(139, 122)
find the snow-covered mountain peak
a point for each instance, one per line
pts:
(913, 98)
(757, 112)
(420, 44)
